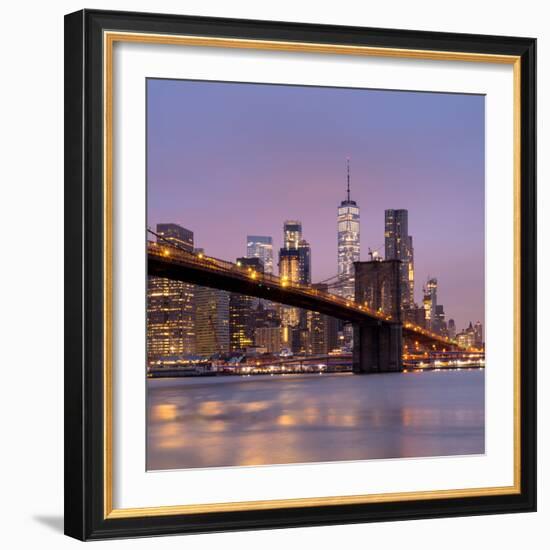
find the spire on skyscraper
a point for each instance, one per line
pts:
(348, 200)
(348, 182)
(348, 241)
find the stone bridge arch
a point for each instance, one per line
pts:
(378, 347)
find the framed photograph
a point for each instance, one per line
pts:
(300, 274)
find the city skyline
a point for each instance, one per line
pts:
(242, 194)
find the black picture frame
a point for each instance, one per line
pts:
(84, 281)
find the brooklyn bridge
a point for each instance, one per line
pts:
(380, 332)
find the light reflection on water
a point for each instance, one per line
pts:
(237, 421)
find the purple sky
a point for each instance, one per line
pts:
(228, 160)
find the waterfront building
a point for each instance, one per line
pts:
(242, 310)
(300, 337)
(241, 325)
(322, 330)
(259, 246)
(451, 329)
(467, 338)
(269, 338)
(267, 329)
(170, 304)
(212, 321)
(349, 249)
(265, 316)
(478, 329)
(399, 246)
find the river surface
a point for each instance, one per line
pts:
(254, 420)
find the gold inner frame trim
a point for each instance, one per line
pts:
(109, 39)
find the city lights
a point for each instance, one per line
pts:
(319, 282)
(221, 321)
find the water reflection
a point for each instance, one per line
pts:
(258, 420)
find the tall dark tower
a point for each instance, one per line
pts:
(399, 246)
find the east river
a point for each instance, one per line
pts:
(282, 419)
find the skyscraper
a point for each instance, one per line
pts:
(452, 329)
(289, 272)
(304, 260)
(258, 246)
(170, 304)
(292, 233)
(478, 329)
(294, 267)
(267, 329)
(241, 322)
(398, 246)
(176, 235)
(349, 249)
(268, 338)
(289, 265)
(212, 320)
(440, 326)
(467, 338)
(242, 310)
(322, 329)
(430, 303)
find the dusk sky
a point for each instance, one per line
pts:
(228, 160)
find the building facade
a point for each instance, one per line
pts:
(467, 338)
(170, 304)
(175, 234)
(322, 330)
(430, 303)
(269, 338)
(478, 329)
(304, 259)
(440, 325)
(272, 338)
(292, 230)
(212, 321)
(258, 246)
(349, 243)
(242, 310)
(451, 329)
(292, 264)
(241, 322)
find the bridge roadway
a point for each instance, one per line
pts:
(174, 263)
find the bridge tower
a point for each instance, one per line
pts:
(378, 345)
